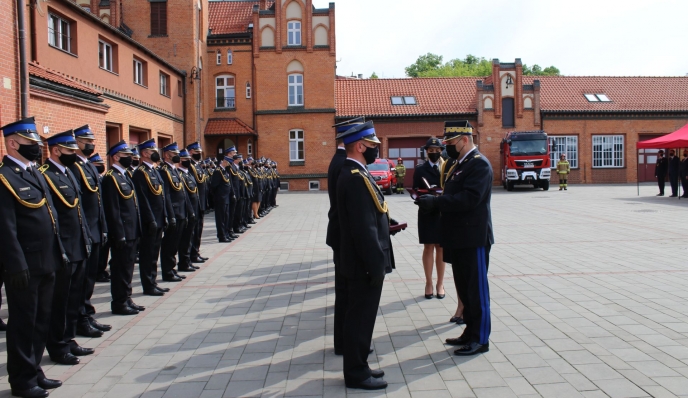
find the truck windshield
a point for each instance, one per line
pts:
(378, 167)
(528, 147)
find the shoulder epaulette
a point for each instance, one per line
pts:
(354, 171)
(142, 168)
(476, 156)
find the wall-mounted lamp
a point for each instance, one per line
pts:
(509, 81)
(195, 74)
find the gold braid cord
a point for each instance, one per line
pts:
(57, 192)
(382, 208)
(187, 186)
(20, 200)
(109, 173)
(223, 176)
(156, 192)
(444, 177)
(83, 176)
(169, 176)
(202, 179)
(236, 174)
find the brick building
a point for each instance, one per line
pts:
(596, 120)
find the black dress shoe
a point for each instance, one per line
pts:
(125, 310)
(224, 240)
(377, 373)
(457, 320)
(370, 383)
(673, 196)
(173, 278)
(371, 350)
(251, 222)
(99, 326)
(3, 326)
(203, 258)
(49, 384)
(472, 349)
(80, 351)
(86, 330)
(133, 305)
(194, 267)
(238, 231)
(162, 289)
(458, 341)
(187, 269)
(197, 260)
(153, 292)
(33, 392)
(65, 359)
(234, 236)
(102, 279)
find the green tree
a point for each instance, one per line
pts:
(373, 76)
(537, 70)
(431, 65)
(423, 64)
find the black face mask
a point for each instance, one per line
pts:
(196, 156)
(135, 163)
(434, 157)
(155, 157)
(176, 159)
(452, 152)
(100, 168)
(370, 155)
(67, 160)
(30, 152)
(88, 149)
(186, 164)
(125, 162)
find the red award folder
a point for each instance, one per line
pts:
(399, 227)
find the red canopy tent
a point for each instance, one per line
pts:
(677, 139)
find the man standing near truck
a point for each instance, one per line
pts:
(563, 170)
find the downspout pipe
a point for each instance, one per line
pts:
(23, 64)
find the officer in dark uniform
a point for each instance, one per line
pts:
(192, 193)
(203, 181)
(240, 191)
(429, 228)
(124, 228)
(98, 163)
(467, 232)
(221, 191)
(103, 276)
(248, 202)
(255, 194)
(88, 177)
(135, 162)
(365, 252)
(155, 211)
(276, 177)
(661, 171)
(31, 253)
(75, 235)
(683, 173)
(181, 208)
(333, 234)
(231, 170)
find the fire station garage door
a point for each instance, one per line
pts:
(408, 149)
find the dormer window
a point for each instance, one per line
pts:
(597, 98)
(405, 100)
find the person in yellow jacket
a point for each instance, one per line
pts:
(563, 170)
(401, 173)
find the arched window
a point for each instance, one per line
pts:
(294, 33)
(296, 89)
(219, 57)
(224, 89)
(229, 57)
(248, 90)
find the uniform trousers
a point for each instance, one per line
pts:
(149, 252)
(27, 330)
(196, 241)
(185, 245)
(221, 221)
(238, 213)
(361, 310)
(470, 277)
(661, 182)
(684, 184)
(273, 197)
(231, 212)
(68, 296)
(170, 247)
(340, 299)
(673, 181)
(103, 258)
(86, 309)
(121, 273)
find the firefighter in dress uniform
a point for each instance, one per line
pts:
(192, 193)
(31, 253)
(563, 170)
(467, 232)
(197, 169)
(400, 171)
(103, 275)
(221, 191)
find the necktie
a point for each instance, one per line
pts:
(435, 168)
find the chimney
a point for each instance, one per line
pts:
(114, 13)
(360, 76)
(263, 5)
(95, 8)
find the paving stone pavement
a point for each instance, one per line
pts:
(588, 286)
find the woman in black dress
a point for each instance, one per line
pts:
(429, 221)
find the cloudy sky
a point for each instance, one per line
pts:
(583, 37)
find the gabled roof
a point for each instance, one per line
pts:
(225, 17)
(227, 126)
(56, 77)
(434, 96)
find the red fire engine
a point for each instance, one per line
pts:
(525, 159)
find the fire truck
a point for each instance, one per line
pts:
(525, 159)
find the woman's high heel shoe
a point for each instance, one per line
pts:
(428, 296)
(440, 296)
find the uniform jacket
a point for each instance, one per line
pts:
(333, 234)
(220, 186)
(233, 171)
(174, 192)
(563, 167)
(192, 192)
(91, 198)
(153, 205)
(430, 174)
(366, 248)
(661, 167)
(683, 167)
(28, 236)
(203, 181)
(74, 232)
(121, 206)
(465, 204)
(673, 166)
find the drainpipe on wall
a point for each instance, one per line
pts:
(184, 110)
(23, 64)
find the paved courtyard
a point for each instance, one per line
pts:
(589, 298)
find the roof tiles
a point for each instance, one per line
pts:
(231, 16)
(228, 126)
(56, 77)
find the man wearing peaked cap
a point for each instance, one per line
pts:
(466, 245)
(124, 228)
(234, 203)
(220, 191)
(135, 161)
(98, 162)
(191, 187)
(69, 281)
(88, 177)
(365, 252)
(202, 177)
(31, 253)
(155, 211)
(333, 234)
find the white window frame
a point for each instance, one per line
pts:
(566, 144)
(293, 33)
(138, 72)
(297, 150)
(164, 85)
(218, 57)
(310, 185)
(228, 92)
(608, 151)
(62, 44)
(105, 49)
(295, 92)
(249, 148)
(230, 57)
(248, 90)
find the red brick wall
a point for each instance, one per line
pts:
(242, 70)
(9, 66)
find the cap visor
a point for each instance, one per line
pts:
(372, 139)
(68, 146)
